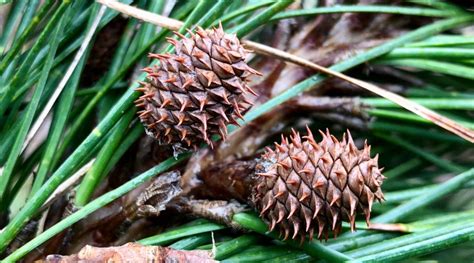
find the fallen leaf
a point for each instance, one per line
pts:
(132, 252)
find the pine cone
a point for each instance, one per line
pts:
(303, 187)
(196, 92)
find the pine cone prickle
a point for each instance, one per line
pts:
(305, 187)
(196, 92)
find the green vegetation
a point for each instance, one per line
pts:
(47, 47)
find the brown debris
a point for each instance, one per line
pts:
(233, 180)
(156, 196)
(216, 210)
(132, 252)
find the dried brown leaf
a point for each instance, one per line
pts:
(132, 252)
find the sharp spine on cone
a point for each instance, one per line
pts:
(196, 92)
(309, 188)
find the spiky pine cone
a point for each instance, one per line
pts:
(304, 186)
(196, 92)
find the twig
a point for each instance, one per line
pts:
(162, 21)
(65, 79)
(423, 112)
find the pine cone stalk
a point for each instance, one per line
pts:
(303, 186)
(197, 91)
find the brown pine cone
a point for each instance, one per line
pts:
(305, 186)
(196, 92)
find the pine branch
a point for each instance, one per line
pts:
(410, 105)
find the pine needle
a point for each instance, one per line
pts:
(414, 107)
